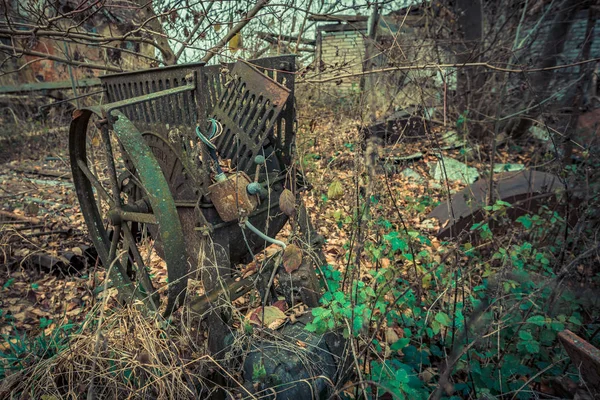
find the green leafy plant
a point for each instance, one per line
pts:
(504, 326)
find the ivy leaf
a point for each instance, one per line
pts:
(45, 322)
(443, 319)
(557, 326)
(402, 376)
(525, 220)
(398, 244)
(574, 320)
(538, 320)
(390, 236)
(357, 324)
(400, 344)
(339, 297)
(532, 347)
(525, 335)
(8, 283)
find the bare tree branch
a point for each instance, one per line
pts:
(20, 51)
(232, 32)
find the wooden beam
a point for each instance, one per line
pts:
(42, 86)
(357, 26)
(284, 38)
(585, 358)
(338, 18)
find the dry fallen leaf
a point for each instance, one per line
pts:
(71, 305)
(287, 203)
(273, 317)
(390, 336)
(336, 190)
(292, 258)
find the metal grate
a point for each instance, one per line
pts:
(248, 109)
(279, 68)
(183, 111)
(163, 114)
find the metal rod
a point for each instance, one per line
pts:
(138, 217)
(263, 236)
(148, 97)
(70, 99)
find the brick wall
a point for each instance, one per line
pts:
(342, 53)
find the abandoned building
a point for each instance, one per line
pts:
(39, 61)
(402, 38)
(344, 49)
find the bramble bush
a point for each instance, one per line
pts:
(488, 308)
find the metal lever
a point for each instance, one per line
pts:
(255, 187)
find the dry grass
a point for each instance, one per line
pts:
(119, 353)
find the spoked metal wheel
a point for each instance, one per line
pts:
(128, 208)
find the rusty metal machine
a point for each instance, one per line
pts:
(187, 164)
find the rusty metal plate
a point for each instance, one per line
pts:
(279, 68)
(407, 125)
(248, 109)
(524, 190)
(231, 199)
(584, 356)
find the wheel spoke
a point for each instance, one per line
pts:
(95, 182)
(112, 171)
(126, 260)
(114, 242)
(109, 172)
(141, 272)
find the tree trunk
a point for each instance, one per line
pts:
(578, 101)
(160, 38)
(553, 47)
(469, 79)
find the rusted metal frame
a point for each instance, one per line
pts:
(133, 84)
(279, 68)
(282, 69)
(161, 116)
(524, 188)
(248, 109)
(161, 202)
